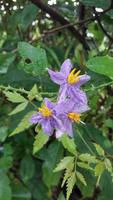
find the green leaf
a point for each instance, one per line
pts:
(84, 165)
(108, 165)
(5, 62)
(20, 192)
(81, 178)
(68, 173)
(3, 133)
(99, 169)
(40, 140)
(109, 123)
(19, 108)
(70, 184)
(85, 157)
(64, 163)
(29, 14)
(26, 164)
(24, 124)
(54, 154)
(61, 196)
(5, 190)
(68, 144)
(99, 149)
(96, 3)
(102, 65)
(14, 97)
(34, 93)
(34, 60)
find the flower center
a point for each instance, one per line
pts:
(75, 117)
(45, 111)
(73, 77)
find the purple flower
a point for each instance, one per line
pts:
(70, 82)
(47, 118)
(68, 112)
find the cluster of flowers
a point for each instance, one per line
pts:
(57, 118)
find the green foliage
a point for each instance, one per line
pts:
(102, 65)
(99, 4)
(65, 162)
(99, 150)
(33, 165)
(19, 108)
(70, 184)
(34, 60)
(14, 97)
(5, 190)
(29, 14)
(68, 144)
(40, 140)
(26, 164)
(24, 124)
(51, 160)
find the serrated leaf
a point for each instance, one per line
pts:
(67, 173)
(24, 124)
(34, 93)
(64, 163)
(99, 149)
(99, 169)
(84, 165)
(85, 157)
(68, 144)
(40, 140)
(108, 165)
(81, 178)
(70, 184)
(19, 108)
(34, 60)
(14, 97)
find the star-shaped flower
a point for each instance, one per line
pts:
(70, 82)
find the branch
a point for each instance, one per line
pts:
(80, 23)
(102, 27)
(59, 18)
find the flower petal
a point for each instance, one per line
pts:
(57, 77)
(48, 103)
(47, 127)
(80, 108)
(65, 106)
(68, 127)
(78, 95)
(59, 133)
(66, 67)
(62, 92)
(83, 79)
(35, 118)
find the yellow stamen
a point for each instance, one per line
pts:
(45, 111)
(75, 117)
(73, 77)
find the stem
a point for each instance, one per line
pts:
(88, 147)
(14, 89)
(101, 86)
(33, 104)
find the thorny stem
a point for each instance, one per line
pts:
(18, 90)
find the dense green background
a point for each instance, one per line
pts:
(31, 40)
